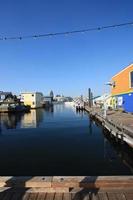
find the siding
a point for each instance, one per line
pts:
(127, 102)
(122, 81)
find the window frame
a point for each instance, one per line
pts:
(130, 79)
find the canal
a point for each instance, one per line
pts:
(59, 141)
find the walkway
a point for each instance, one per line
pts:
(67, 188)
(81, 195)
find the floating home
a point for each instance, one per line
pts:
(32, 99)
(122, 89)
(4, 95)
(47, 101)
(10, 103)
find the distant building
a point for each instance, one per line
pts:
(4, 95)
(32, 99)
(101, 100)
(10, 103)
(51, 95)
(48, 100)
(60, 98)
(122, 89)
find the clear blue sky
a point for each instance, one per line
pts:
(65, 64)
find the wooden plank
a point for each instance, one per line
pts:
(102, 196)
(26, 181)
(120, 196)
(76, 196)
(50, 196)
(111, 196)
(41, 196)
(107, 181)
(67, 181)
(49, 190)
(129, 196)
(93, 196)
(115, 190)
(26, 196)
(67, 196)
(7, 195)
(33, 196)
(58, 196)
(17, 195)
(2, 195)
(85, 196)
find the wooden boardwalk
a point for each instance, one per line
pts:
(67, 188)
(80, 195)
(117, 123)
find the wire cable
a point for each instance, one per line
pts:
(66, 32)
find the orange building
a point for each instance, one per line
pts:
(122, 88)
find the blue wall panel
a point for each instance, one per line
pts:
(127, 102)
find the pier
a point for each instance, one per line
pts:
(117, 123)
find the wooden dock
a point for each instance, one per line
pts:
(80, 195)
(67, 188)
(117, 123)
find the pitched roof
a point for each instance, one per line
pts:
(123, 70)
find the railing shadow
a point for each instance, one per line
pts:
(88, 189)
(15, 187)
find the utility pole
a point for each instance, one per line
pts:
(89, 97)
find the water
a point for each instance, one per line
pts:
(59, 141)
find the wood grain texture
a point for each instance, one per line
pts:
(80, 195)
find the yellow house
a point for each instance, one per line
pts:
(32, 99)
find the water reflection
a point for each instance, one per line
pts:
(90, 126)
(32, 119)
(0, 125)
(9, 121)
(80, 113)
(123, 151)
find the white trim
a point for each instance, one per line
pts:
(122, 70)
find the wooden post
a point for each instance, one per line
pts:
(91, 99)
(89, 96)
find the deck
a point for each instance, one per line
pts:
(67, 188)
(80, 195)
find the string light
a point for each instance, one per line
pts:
(66, 33)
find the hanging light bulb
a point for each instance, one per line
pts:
(35, 36)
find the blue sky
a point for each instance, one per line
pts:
(66, 64)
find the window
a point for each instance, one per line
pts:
(131, 79)
(113, 84)
(32, 95)
(33, 103)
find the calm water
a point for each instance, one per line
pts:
(59, 141)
